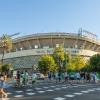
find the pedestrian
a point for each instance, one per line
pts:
(59, 76)
(78, 76)
(18, 78)
(94, 77)
(22, 79)
(66, 77)
(25, 77)
(56, 76)
(49, 75)
(2, 85)
(34, 77)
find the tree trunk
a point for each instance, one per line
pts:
(3, 53)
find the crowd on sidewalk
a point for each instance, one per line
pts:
(22, 78)
(74, 77)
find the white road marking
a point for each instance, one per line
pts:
(29, 90)
(90, 90)
(59, 98)
(9, 93)
(30, 93)
(97, 89)
(69, 96)
(18, 96)
(41, 91)
(19, 91)
(78, 93)
(49, 90)
(85, 91)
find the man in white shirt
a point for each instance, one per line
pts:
(34, 77)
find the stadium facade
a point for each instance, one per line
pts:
(28, 49)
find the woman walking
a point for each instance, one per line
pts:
(3, 79)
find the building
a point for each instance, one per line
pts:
(27, 50)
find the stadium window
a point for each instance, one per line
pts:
(57, 45)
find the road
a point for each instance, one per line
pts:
(53, 91)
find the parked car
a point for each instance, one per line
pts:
(40, 76)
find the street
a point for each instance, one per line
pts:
(53, 91)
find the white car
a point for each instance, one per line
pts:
(40, 76)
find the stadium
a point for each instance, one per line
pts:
(28, 49)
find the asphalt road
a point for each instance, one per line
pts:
(53, 91)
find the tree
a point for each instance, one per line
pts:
(5, 45)
(46, 63)
(6, 67)
(94, 63)
(66, 62)
(59, 57)
(76, 63)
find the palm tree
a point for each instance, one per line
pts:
(6, 45)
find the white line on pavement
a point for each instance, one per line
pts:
(59, 98)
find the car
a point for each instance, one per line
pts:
(40, 76)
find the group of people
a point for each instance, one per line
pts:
(73, 77)
(22, 78)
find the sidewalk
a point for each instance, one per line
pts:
(47, 81)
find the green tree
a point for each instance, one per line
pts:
(76, 63)
(5, 45)
(94, 64)
(59, 57)
(66, 62)
(46, 63)
(6, 67)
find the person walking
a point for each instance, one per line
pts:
(56, 76)
(22, 79)
(25, 77)
(18, 78)
(34, 77)
(66, 77)
(3, 79)
(49, 75)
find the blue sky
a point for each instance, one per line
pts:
(33, 16)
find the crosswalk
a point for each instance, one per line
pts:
(64, 97)
(19, 93)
